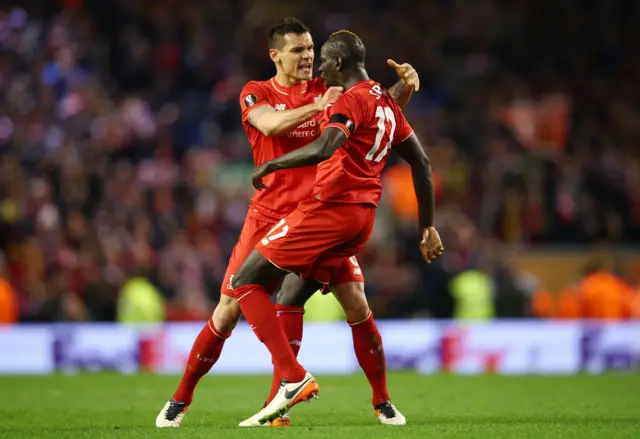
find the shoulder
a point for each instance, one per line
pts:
(376, 94)
(347, 103)
(360, 98)
(254, 92)
(368, 92)
(357, 95)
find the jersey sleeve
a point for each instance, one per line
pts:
(403, 129)
(345, 114)
(252, 96)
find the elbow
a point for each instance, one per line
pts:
(324, 155)
(267, 131)
(402, 101)
(321, 152)
(423, 164)
(329, 146)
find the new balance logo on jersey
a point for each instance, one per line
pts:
(229, 285)
(357, 271)
(296, 342)
(280, 107)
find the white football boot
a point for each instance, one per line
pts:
(388, 414)
(288, 395)
(171, 414)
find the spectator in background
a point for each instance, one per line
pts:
(61, 76)
(121, 151)
(635, 306)
(8, 297)
(604, 295)
(473, 292)
(140, 302)
(569, 304)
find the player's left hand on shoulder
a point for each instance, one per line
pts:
(407, 73)
(259, 173)
(431, 244)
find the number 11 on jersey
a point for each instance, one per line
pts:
(385, 115)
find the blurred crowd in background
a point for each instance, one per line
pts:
(124, 169)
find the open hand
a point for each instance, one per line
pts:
(407, 73)
(330, 96)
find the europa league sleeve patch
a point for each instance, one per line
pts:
(250, 100)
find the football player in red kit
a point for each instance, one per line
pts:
(336, 220)
(280, 115)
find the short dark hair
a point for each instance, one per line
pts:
(347, 46)
(289, 25)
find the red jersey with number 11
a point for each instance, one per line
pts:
(373, 123)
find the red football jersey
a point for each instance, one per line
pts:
(373, 123)
(288, 187)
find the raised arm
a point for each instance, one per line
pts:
(401, 93)
(315, 152)
(409, 82)
(272, 123)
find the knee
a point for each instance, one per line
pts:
(353, 300)
(247, 273)
(226, 315)
(237, 280)
(296, 292)
(358, 312)
(289, 297)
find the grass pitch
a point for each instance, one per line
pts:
(439, 406)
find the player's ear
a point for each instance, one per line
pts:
(274, 55)
(338, 64)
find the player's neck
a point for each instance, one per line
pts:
(356, 76)
(285, 80)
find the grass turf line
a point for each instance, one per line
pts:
(438, 406)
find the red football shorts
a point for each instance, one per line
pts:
(317, 239)
(254, 229)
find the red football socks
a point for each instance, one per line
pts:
(291, 318)
(367, 343)
(204, 354)
(260, 313)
